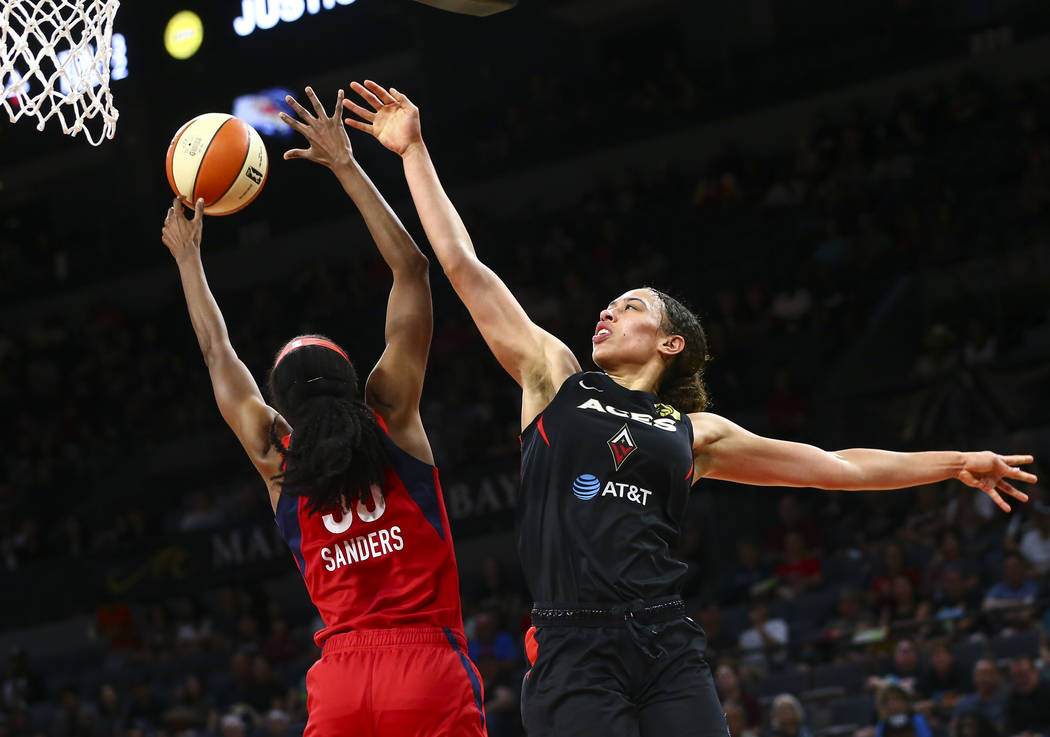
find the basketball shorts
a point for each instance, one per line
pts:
(404, 682)
(629, 680)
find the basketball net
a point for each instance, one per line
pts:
(54, 62)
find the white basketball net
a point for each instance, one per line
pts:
(55, 61)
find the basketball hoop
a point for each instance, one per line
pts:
(55, 60)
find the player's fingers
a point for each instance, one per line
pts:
(318, 107)
(401, 98)
(380, 92)
(338, 104)
(293, 123)
(176, 207)
(1008, 488)
(296, 153)
(359, 111)
(198, 209)
(1018, 460)
(299, 109)
(370, 98)
(353, 123)
(1018, 475)
(1000, 502)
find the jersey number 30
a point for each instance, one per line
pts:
(363, 512)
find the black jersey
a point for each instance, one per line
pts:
(605, 477)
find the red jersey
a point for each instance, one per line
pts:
(388, 563)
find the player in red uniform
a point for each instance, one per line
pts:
(352, 483)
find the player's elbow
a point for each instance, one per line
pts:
(416, 266)
(216, 352)
(463, 268)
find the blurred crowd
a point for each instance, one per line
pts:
(923, 613)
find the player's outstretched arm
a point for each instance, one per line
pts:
(395, 385)
(724, 450)
(537, 360)
(238, 396)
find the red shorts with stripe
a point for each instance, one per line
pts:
(404, 682)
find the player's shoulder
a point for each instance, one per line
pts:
(708, 428)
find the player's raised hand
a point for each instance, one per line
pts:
(329, 144)
(180, 234)
(989, 472)
(393, 119)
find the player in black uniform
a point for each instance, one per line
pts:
(607, 462)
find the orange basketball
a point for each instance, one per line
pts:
(220, 158)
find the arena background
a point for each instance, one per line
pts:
(854, 196)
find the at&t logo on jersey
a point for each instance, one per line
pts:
(586, 486)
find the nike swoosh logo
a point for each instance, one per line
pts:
(592, 388)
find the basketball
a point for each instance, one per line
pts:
(219, 158)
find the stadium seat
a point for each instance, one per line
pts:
(792, 681)
(1008, 647)
(966, 654)
(856, 710)
(847, 676)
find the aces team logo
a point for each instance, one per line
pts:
(621, 445)
(666, 410)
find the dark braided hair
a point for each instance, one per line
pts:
(337, 451)
(682, 385)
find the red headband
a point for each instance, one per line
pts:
(303, 342)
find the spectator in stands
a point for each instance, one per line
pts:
(981, 345)
(974, 724)
(22, 685)
(940, 687)
(190, 705)
(278, 723)
(74, 718)
(892, 566)
(279, 645)
(896, 716)
(1028, 705)
(1011, 600)
(904, 607)
(1035, 543)
(988, 698)
(192, 630)
(493, 643)
(787, 718)
(765, 642)
(742, 580)
(731, 689)
(110, 710)
(904, 668)
(233, 725)
(719, 638)
(496, 591)
(266, 692)
(800, 571)
(955, 610)
(925, 520)
(851, 616)
(792, 519)
(144, 709)
(942, 679)
(737, 720)
(950, 553)
(201, 514)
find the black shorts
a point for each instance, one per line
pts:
(620, 681)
